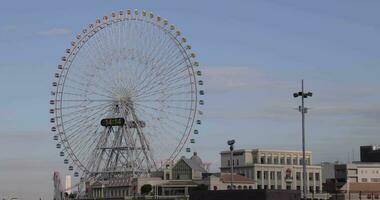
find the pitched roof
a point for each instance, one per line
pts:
(193, 165)
(362, 187)
(226, 178)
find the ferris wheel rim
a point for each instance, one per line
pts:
(60, 88)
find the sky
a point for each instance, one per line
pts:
(253, 53)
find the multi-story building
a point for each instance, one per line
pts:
(357, 172)
(272, 169)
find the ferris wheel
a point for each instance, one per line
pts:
(126, 96)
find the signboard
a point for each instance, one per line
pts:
(112, 122)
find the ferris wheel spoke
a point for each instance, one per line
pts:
(162, 111)
(84, 118)
(153, 90)
(159, 74)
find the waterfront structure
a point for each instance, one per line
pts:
(273, 169)
(370, 153)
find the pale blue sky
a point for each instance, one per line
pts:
(254, 54)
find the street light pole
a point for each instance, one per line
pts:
(303, 111)
(231, 143)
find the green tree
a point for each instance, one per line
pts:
(145, 189)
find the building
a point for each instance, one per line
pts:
(370, 153)
(175, 181)
(275, 170)
(357, 172)
(68, 186)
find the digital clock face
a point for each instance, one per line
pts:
(112, 122)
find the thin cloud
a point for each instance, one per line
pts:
(55, 32)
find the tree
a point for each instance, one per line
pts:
(145, 189)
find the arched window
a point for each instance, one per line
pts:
(239, 187)
(250, 187)
(245, 187)
(215, 187)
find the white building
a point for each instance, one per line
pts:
(357, 172)
(68, 184)
(272, 169)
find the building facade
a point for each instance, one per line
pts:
(272, 169)
(357, 172)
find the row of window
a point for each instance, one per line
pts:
(233, 162)
(271, 175)
(374, 180)
(239, 187)
(268, 160)
(110, 193)
(289, 160)
(288, 187)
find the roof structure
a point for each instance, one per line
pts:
(361, 187)
(194, 163)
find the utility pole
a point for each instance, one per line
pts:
(231, 143)
(303, 111)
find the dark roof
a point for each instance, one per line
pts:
(226, 178)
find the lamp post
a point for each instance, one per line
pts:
(231, 144)
(303, 111)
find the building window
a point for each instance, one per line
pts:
(275, 160)
(272, 175)
(258, 174)
(317, 189)
(364, 179)
(279, 176)
(265, 175)
(295, 161)
(288, 187)
(215, 188)
(228, 162)
(310, 176)
(233, 162)
(265, 187)
(282, 160)
(250, 187)
(298, 176)
(311, 188)
(245, 187)
(317, 176)
(239, 187)
(262, 160)
(279, 187)
(298, 187)
(228, 187)
(237, 162)
(288, 161)
(272, 187)
(269, 160)
(259, 187)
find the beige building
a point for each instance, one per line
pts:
(357, 172)
(272, 169)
